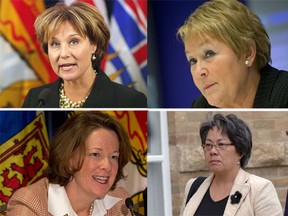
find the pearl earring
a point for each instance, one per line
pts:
(93, 57)
(238, 162)
(246, 62)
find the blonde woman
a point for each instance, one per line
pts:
(228, 50)
(75, 38)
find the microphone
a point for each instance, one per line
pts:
(43, 96)
(129, 204)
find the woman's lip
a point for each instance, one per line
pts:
(214, 161)
(207, 86)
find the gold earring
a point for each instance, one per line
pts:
(246, 62)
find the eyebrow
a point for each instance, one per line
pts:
(218, 140)
(204, 42)
(100, 149)
(69, 36)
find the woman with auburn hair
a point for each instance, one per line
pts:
(228, 50)
(86, 160)
(76, 38)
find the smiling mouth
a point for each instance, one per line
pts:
(101, 179)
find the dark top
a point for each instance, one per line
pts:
(209, 207)
(272, 91)
(104, 94)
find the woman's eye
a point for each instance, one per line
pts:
(95, 154)
(192, 61)
(209, 53)
(54, 44)
(115, 157)
(74, 42)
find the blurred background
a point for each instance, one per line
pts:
(169, 79)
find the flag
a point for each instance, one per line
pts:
(24, 153)
(127, 50)
(24, 65)
(135, 123)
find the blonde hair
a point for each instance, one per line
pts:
(232, 23)
(85, 18)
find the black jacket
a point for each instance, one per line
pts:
(272, 91)
(104, 94)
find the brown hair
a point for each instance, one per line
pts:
(70, 139)
(232, 23)
(85, 18)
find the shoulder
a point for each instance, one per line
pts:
(122, 96)
(119, 192)
(31, 199)
(258, 182)
(201, 102)
(120, 207)
(33, 189)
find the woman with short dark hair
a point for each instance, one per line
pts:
(229, 190)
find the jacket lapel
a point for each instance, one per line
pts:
(196, 199)
(240, 185)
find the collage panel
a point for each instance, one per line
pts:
(243, 156)
(73, 54)
(226, 54)
(73, 163)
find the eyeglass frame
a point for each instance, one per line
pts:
(216, 146)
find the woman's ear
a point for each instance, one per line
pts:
(250, 55)
(94, 47)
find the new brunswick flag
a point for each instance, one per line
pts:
(23, 151)
(135, 123)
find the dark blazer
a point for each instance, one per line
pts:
(272, 91)
(104, 94)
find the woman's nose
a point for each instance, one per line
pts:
(200, 70)
(64, 51)
(106, 164)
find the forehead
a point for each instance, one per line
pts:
(66, 28)
(195, 42)
(216, 134)
(103, 139)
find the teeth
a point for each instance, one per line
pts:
(100, 179)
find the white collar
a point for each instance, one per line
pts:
(59, 204)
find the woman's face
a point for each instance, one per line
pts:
(217, 160)
(69, 53)
(216, 70)
(100, 165)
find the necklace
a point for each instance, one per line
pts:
(91, 209)
(65, 102)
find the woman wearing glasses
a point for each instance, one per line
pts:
(229, 190)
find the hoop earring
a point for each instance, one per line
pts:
(93, 57)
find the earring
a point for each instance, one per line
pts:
(238, 162)
(246, 62)
(93, 57)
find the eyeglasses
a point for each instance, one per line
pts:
(220, 146)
